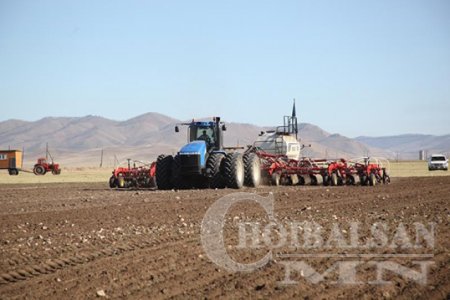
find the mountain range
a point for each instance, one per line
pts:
(80, 141)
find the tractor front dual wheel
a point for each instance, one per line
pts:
(177, 180)
(213, 164)
(112, 182)
(164, 172)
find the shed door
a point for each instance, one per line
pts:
(12, 163)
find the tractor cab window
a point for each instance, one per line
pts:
(203, 134)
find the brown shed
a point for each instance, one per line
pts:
(11, 160)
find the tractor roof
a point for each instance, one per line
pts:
(202, 124)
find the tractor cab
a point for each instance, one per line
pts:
(208, 131)
(41, 161)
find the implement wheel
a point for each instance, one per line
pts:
(276, 179)
(386, 177)
(334, 179)
(13, 172)
(372, 179)
(326, 179)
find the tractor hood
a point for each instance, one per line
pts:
(195, 147)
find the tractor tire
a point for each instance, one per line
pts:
(120, 182)
(372, 179)
(178, 182)
(252, 166)
(233, 170)
(39, 170)
(112, 182)
(56, 172)
(334, 179)
(164, 172)
(216, 179)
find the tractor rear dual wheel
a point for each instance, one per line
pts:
(233, 170)
(39, 170)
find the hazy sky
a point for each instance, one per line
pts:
(354, 67)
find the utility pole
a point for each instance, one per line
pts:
(116, 161)
(101, 159)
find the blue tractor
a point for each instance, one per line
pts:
(204, 163)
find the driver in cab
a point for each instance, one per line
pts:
(205, 137)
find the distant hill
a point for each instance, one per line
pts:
(79, 141)
(407, 146)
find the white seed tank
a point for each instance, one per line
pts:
(279, 143)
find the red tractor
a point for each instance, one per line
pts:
(42, 167)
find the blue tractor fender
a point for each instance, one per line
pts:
(219, 151)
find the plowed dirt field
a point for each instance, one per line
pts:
(83, 240)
